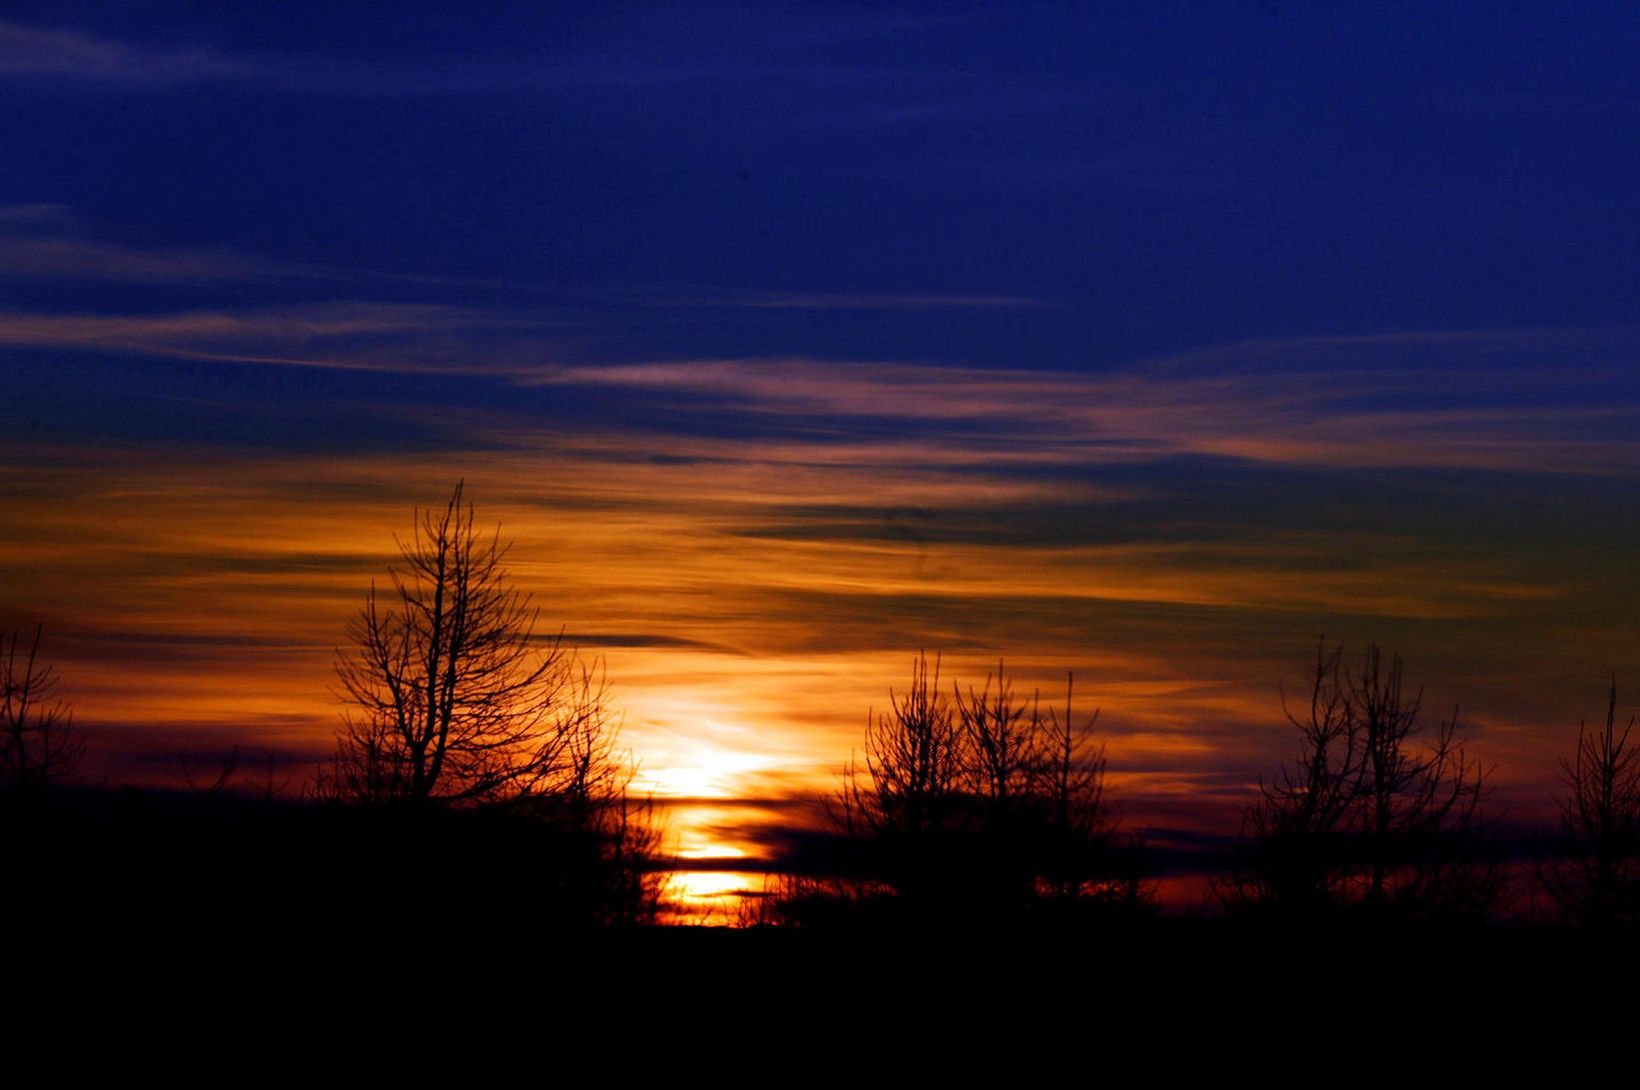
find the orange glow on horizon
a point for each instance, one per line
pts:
(197, 609)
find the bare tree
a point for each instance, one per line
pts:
(1006, 747)
(1412, 795)
(453, 697)
(1037, 781)
(901, 797)
(1005, 742)
(1597, 883)
(1071, 788)
(914, 759)
(493, 744)
(1370, 810)
(980, 801)
(37, 742)
(1293, 855)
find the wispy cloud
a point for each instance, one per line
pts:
(37, 214)
(40, 51)
(678, 50)
(837, 301)
(1415, 400)
(37, 255)
(91, 60)
(47, 242)
(348, 336)
(1440, 399)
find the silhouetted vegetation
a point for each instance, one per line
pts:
(477, 780)
(453, 697)
(979, 804)
(1596, 882)
(1371, 812)
(456, 702)
(901, 804)
(37, 743)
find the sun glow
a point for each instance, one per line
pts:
(697, 843)
(709, 897)
(701, 772)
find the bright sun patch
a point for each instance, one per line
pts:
(708, 897)
(703, 772)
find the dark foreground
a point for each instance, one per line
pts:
(338, 919)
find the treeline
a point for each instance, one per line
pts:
(965, 806)
(989, 805)
(974, 802)
(478, 772)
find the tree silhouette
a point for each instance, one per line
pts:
(1075, 861)
(482, 745)
(1597, 883)
(1006, 749)
(37, 742)
(1035, 781)
(452, 695)
(900, 798)
(979, 802)
(1294, 858)
(1368, 811)
(1418, 800)
(1005, 740)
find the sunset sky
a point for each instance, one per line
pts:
(1147, 341)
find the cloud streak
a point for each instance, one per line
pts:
(1465, 400)
(735, 50)
(346, 336)
(835, 301)
(44, 242)
(1299, 406)
(27, 51)
(25, 257)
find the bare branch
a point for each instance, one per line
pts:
(38, 746)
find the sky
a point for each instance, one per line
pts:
(1151, 342)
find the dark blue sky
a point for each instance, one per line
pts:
(1156, 177)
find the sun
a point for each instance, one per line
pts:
(708, 897)
(701, 771)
